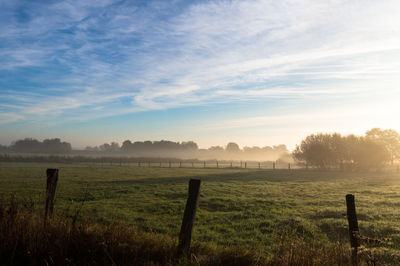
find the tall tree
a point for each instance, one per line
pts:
(232, 147)
(388, 137)
(315, 150)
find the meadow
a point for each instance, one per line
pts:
(248, 208)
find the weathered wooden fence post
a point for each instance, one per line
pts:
(217, 164)
(353, 226)
(273, 166)
(185, 234)
(204, 164)
(51, 184)
(245, 165)
(231, 165)
(259, 166)
(289, 166)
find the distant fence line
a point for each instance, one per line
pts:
(215, 164)
(146, 161)
(152, 162)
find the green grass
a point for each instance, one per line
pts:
(238, 207)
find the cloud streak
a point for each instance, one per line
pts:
(94, 59)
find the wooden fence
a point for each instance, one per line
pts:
(356, 239)
(215, 165)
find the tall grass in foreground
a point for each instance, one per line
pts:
(66, 240)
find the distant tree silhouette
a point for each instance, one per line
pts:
(55, 146)
(29, 145)
(389, 138)
(367, 153)
(126, 145)
(3, 148)
(162, 146)
(279, 148)
(266, 153)
(189, 145)
(92, 149)
(161, 149)
(316, 150)
(232, 147)
(216, 148)
(105, 147)
(333, 150)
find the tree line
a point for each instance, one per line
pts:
(30, 145)
(149, 149)
(373, 151)
(190, 149)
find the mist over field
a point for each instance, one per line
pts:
(377, 149)
(151, 149)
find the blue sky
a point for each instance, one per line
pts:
(253, 72)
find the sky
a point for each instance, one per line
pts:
(252, 72)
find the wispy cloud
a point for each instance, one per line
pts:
(119, 57)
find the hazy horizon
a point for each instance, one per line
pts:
(257, 73)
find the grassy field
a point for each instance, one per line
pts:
(238, 207)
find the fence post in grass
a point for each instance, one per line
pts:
(51, 184)
(289, 166)
(217, 164)
(185, 234)
(259, 166)
(353, 226)
(273, 166)
(204, 164)
(231, 165)
(245, 165)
